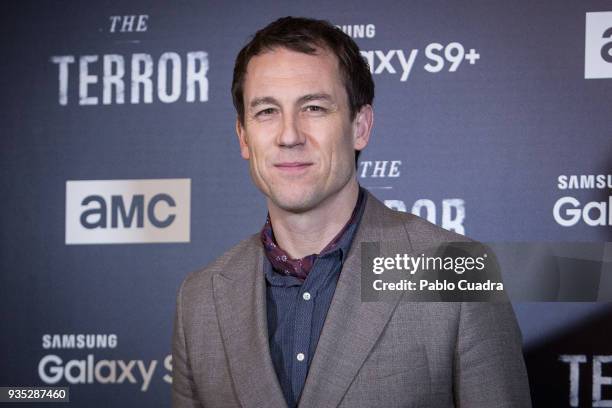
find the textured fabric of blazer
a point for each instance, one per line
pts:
(370, 354)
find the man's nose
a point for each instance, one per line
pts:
(290, 134)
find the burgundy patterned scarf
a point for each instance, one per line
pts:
(280, 260)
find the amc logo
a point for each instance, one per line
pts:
(598, 45)
(127, 211)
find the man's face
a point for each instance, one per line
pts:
(297, 132)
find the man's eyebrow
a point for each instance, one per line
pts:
(316, 97)
(263, 101)
(269, 100)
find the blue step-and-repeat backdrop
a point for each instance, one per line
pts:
(121, 171)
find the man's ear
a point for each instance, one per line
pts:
(362, 127)
(241, 133)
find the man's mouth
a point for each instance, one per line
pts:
(292, 166)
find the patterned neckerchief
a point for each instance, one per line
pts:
(280, 260)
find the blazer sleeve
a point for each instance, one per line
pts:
(183, 387)
(489, 369)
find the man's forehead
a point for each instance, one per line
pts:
(275, 60)
(285, 68)
(310, 49)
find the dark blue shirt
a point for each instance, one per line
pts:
(296, 312)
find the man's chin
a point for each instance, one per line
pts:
(295, 203)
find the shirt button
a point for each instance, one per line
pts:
(300, 357)
(306, 296)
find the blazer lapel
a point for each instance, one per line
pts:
(240, 299)
(352, 326)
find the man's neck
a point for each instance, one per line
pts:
(309, 232)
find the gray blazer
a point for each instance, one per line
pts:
(376, 354)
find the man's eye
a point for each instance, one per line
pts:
(315, 108)
(265, 112)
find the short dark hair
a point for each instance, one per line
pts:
(306, 35)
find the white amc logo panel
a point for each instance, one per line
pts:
(598, 45)
(127, 211)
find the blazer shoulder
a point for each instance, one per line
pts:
(201, 280)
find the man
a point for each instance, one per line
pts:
(278, 320)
